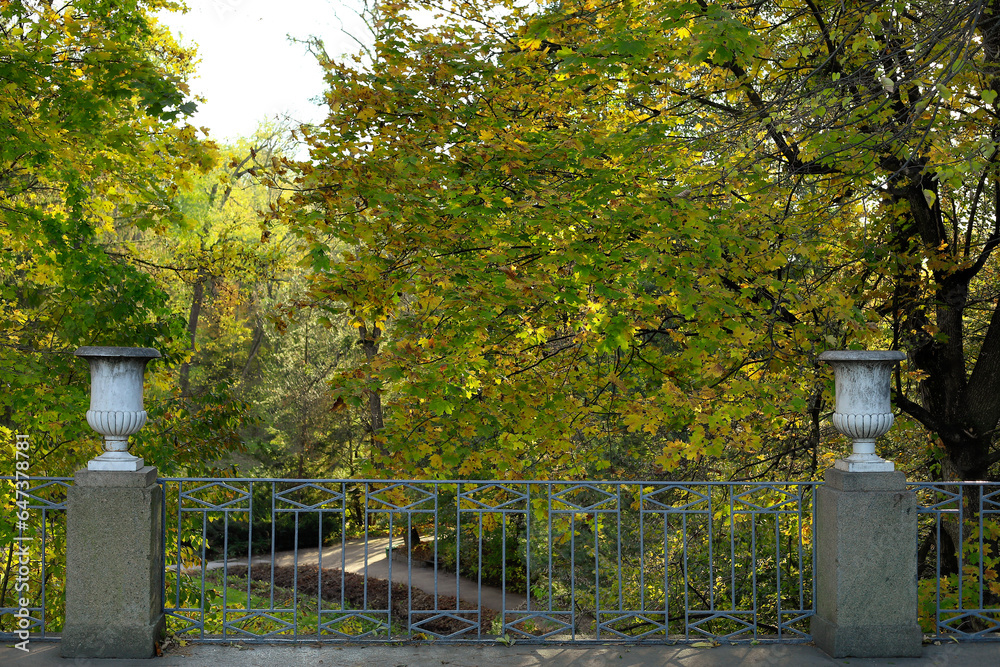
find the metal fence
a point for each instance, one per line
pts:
(43, 536)
(471, 560)
(958, 549)
(529, 561)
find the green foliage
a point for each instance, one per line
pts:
(254, 366)
(234, 594)
(92, 153)
(551, 265)
(500, 562)
(720, 555)
(46, 558)
(972, 585)
(557, 228)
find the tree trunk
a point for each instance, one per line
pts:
(962, 408)
(369, 344)
(258, 338)
(192, 328)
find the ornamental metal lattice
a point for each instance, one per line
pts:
(312, 560)
(42, 543)
(958, 550)
(478, 561)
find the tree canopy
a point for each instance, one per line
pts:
(582, 234)
(564, 239)
(92, 151)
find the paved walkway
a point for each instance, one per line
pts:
(213, 655)
(354, 558)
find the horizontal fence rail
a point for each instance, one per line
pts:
(42, 536)
(478, 560)
(958, 552)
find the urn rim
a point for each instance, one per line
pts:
(118, 352)
(862, 355)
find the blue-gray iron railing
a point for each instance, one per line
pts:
(671, 540)
(44, 537)
(959, 548)
(568, 561)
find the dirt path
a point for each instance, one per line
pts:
(372, 562)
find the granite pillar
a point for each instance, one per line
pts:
(114, 565)
(866, 566)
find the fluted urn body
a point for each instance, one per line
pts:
(116, 408)
(863, 410)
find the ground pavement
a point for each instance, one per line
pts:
(774, 655)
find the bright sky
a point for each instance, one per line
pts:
(249, 70)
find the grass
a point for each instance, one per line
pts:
(261, 610)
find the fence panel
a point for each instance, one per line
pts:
(532, 561)
(959, 555)
(312, 560)
(40, 581)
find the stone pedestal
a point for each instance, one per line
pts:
(866, 566)
(114, 565)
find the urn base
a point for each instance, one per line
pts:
(864, 463)
(116, 461)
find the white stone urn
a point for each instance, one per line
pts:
(863, 411)
(116, 410)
